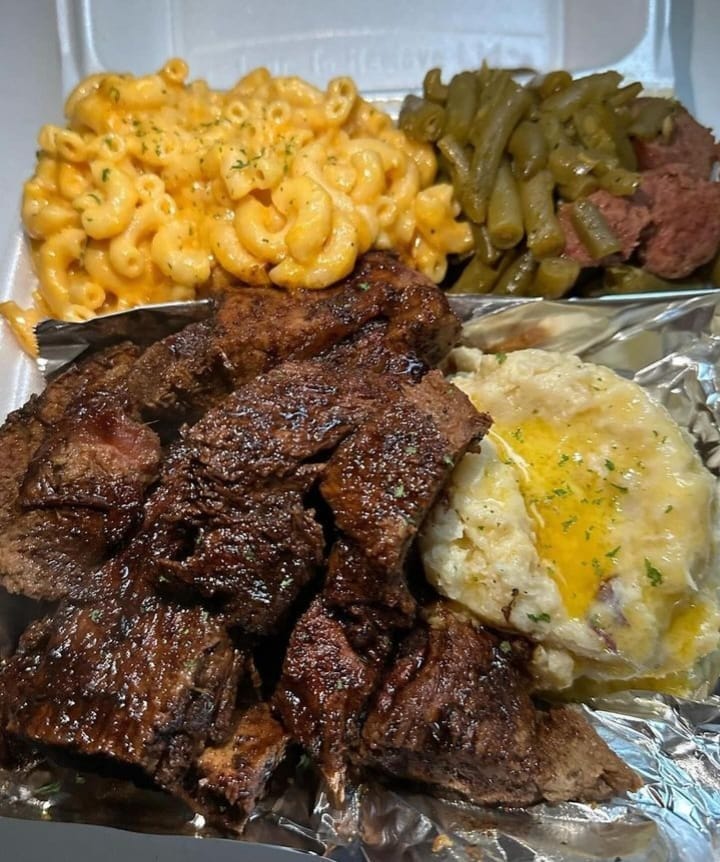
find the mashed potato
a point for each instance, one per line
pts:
(586, 522)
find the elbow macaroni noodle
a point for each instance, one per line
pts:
(160, 189)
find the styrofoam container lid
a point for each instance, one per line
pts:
(384, 46)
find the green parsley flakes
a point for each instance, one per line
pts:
(652, 574)
(539, 618)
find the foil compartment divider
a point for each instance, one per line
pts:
(671, 346)
(61, 343)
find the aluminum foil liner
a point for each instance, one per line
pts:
(60, 343)
(670, 346)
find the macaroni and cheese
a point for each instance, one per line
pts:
(159, 189)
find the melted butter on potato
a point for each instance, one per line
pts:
(586, 521)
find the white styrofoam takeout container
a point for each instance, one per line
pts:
(46, 47)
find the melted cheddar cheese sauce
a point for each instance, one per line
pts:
(586, 521)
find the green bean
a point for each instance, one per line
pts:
(624, 148)
(617, 130)
(649, 116)
(420, 119)
(513, 152)
(580, 92)
(555, 276)
(625, 94)
(552, 129)
(528, 148)
(567, 162)
(593, 126)
(593, 230)
(484, 248)
(461, 106)
(504, 217)
(481, 117)
(507, 110)
(631, 279)
(518, 277)
(483, 76)
(490, 89)
(532, 114)
(579, 186)
(618, 181)
(458, 161)
(477, 277)
(506, 259)
(544, 234)
(551, 83)
(433, 88)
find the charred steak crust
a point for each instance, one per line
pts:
(78, 459)
(324, 687)
(229, 516)
(379, 483)
(144, 681)
(49, 541)
(454, 713)
(254, 329)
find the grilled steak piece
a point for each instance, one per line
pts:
(133, 677)
(229, 518)
(255, 557)
(228, 779)
(72, 477)
(97, 457)
(381, 482)
(324, 687)
(227, 521)
(454, 713)
(254, 329)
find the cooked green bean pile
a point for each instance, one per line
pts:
(513, 152)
